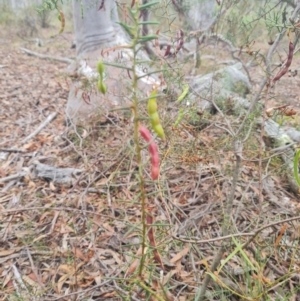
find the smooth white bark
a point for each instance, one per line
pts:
(201, 13)
(94, 27)
(19, 4)
(97, 34)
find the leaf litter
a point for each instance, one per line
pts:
(62, 241)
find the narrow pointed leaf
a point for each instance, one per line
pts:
(127, 28)
(149, 23)
(147, 38)
(147, 5)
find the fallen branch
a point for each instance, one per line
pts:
(47, 57)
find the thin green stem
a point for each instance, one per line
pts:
(138, 147)
(149, 290)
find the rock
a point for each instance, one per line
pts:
(229, 79)
(274, 131)
(228, 87)
(293, 134)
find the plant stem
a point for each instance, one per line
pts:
(138, 149)
(149, 290)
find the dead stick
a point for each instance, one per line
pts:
(47, 57)
(13, 177)
(12, 150)
(42, 125)
(34, 269)
(205, 241)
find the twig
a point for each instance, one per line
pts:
(56, 214)
(196, 35)
(124, 292)
(266, 79)
(205, 241)
(252, 234)
(80, 292)
(289, 2)
(34, 269)
(18, 277)
(13, 177)
(47, 57)
(245, 245)
(12, 150)
(260, 155)
(149, 290)
(13, 211)
(243, 65)
(280, 149)
(42, 125)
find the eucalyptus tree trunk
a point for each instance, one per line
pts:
(200, 13)
(95, 25)
(16, 5)
(95, 31)
(98, 36)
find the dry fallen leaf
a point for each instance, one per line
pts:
(77, 253)
(132, 268)
(179, 255)
(281, 232)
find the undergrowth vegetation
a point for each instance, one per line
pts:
(175, 200)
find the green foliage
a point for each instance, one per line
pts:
(246, 21)
(52, 4)
(44, 17)
(296, 167)
(7, 16)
